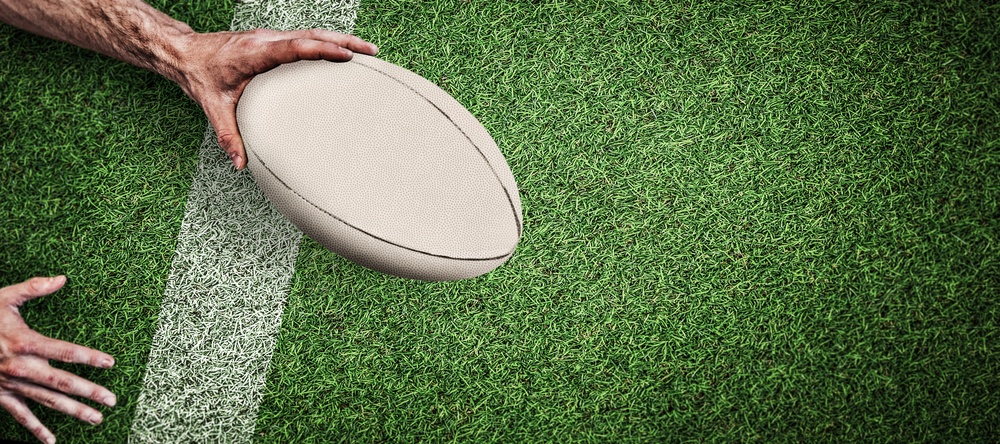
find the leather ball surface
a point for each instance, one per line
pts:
(382, 167)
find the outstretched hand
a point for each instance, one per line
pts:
(216, 67)
(24, 364)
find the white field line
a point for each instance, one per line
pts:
(228, 283)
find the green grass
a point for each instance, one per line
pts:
(96, 158)
(742, 223)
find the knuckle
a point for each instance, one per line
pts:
(252, 39)
(249, 41)
(322, 34)
(22, 419)
(83, 412)
(226, 139)
(297, 44)
(64, 385)
(36, 284)
(14, 346)
(48, 400)
(67, 355)
(94, 360)
(22, 346)
(38, 430)
(16, 370)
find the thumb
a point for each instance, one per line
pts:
(32, 288)
(227, 132)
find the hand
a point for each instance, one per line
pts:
(216, 67)
(212, 68)
(24, 367)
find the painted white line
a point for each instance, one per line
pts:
(228, 283)
(220, 313)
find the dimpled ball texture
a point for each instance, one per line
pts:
(382, 167)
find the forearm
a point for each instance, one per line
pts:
(128, 30)
(212, 68)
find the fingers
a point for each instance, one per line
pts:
(35, 371)
(37, 345)
(291, 50)
(313, 44)
(322, 36)
(56, 401)
(19, 410)
(31, 289)
(354, 43)
(222, 116)
(227, 61)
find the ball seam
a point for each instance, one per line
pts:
(373, 236)
(496, 175)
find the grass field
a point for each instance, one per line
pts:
(743, 222)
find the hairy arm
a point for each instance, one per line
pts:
(212, 68)
(128, 30)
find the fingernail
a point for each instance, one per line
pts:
(108, 363)
(237, 160)
(109, 401)
(95, 418)
(50, 440)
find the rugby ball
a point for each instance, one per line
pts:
(382, 167)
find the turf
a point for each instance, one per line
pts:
(743, 222)
(96, 159)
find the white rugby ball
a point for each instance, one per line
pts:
(382, 167)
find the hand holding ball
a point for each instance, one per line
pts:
(382, 167)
